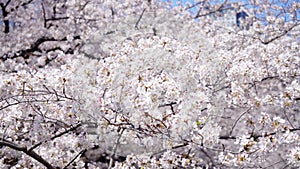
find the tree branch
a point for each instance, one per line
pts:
(111, 160)
(265, 42)
(24, 149)
(256, 136)
(81, 152)
(56, 136)
(238, 120)
(136, 24)
(5, 14)
(25, 53)
(220, 8)
(172, 148)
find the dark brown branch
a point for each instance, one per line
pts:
(172, 148)
(235, 123)
(24, 149)
(273, 133)
(25, 53)
(271, 165)
(7, 3)
(80, 153)
(5, 14)
(137, 23)
(44, 16)
(169, 104)
(53, 18)
(283, 33)
(220, 8)
(33, 96)
(117, 143)
(22, 4)
(34, 47)
(222, 88)
(256, 136)
(56, 136)
(112, 11)
(207, 155)
(57, 18)
(26, 101)
(287, 118)
(226, 137)
(194, 5)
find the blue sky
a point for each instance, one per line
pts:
(277, 2)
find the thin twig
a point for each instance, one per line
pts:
(172, 148)
(287, 118)
(136, 24)
(111, 160)
(81, 152)
(235, 123)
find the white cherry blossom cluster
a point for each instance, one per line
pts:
(152, 85)
(157, 86)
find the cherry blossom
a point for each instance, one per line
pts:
(146, 84)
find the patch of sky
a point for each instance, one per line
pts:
(280, 11)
